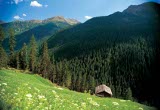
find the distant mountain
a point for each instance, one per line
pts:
(20, 26)
(42, 29)
(135, 20)
(1, 22)
(61, 19)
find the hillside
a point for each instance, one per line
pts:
(139, 20)
(22, 91)
(42, 29)
(121, 50)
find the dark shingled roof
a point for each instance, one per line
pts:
(103, 88)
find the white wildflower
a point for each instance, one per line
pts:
(29, 98)
(26, 84)
(29, 95)
(50, 106)
(16, 93)
(3, 90)
(93, 102)
(4, 84)
(41, 97)
(122, 100)
(45, 99)
(115, 103)
(83, 104)
(36, 89)
(54, 91)
(56, 96)
(60, 88)
(140, 108)
(75, 104)
(89, 98)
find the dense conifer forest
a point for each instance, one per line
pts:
(125, 56)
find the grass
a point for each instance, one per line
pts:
(22, 91)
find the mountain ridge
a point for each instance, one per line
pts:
(125, 36)
(116, 21)
(42, 29)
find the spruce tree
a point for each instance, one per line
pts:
(45, 61)
(129, 94)
(67, 77)
(12, 44)
(32, 54)
(1, 35)
(3, 55)
(12, 41)
(23, 57)
(3, 58)
(17, 60)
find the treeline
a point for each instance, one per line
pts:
(128, 68)
(35, 59)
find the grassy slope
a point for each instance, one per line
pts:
(31, 92)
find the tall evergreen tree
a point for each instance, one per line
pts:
(32, 54)
(1, 35)
(23, 57)
(67, 76)
(12, 41)
(3, 58)
(3, 55)
(45, 61)
(17, 60)
(12, 44)
(129, 94)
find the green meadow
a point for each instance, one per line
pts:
(25, 91)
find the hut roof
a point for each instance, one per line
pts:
(103, 88)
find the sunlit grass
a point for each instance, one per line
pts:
(21, 91)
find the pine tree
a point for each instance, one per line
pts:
(91, 84)
(3, 55)
(67, 76)
(83, 83)
(33, 54)
(3, 58)
(12, 44)
(23, 57)
(78, 82)
(17, 60)
(53, 69)
(45, 61)
(129, 94)
(12, 41)
(1, 35)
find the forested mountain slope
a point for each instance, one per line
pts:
(41, 29)
(121, 50)
(141, 20)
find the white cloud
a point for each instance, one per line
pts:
(10, 2)
(17, 1)
(24, 14)
(46, 6)
(88, 17)
(35, 4)
(17, 17)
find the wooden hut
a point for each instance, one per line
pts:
(103, 91)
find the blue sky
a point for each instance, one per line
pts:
(81, 10)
